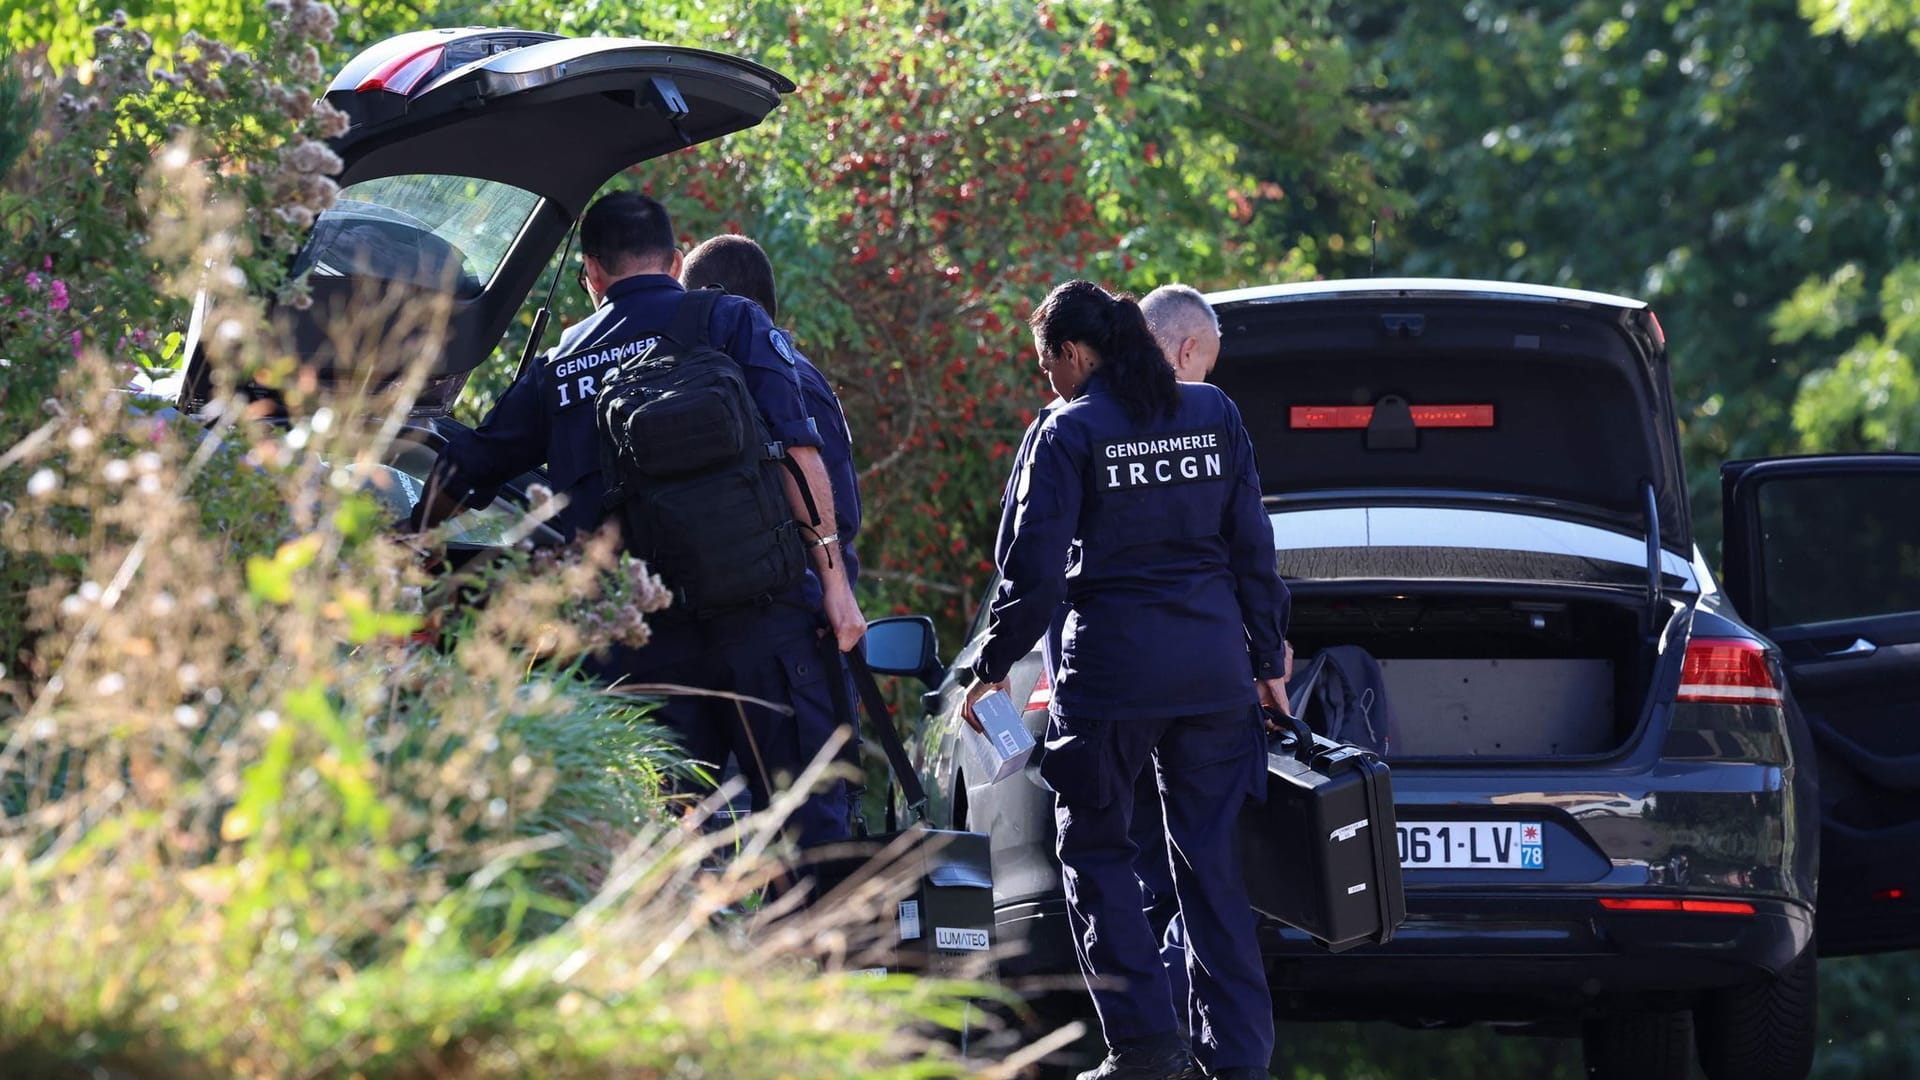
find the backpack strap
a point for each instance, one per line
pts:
(692, 321)
(889, 739)
(844, 712)
(692, 325)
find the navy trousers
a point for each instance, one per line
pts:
(773, 654)
(1206, 767)
(1155, 870)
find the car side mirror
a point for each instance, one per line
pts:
(904, 645)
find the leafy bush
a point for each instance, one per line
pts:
(249, 824)
(96, 252)
(254, 827)
(943, 165)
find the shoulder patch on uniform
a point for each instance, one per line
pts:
(1186, 458)
(780, 346)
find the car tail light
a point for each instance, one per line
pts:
(1890, 894)
(402, 73)
(1356, 417)
(1728, 671)
(1690, 907)
(1042, 695)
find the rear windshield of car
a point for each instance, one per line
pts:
(1460, 564)
(1442, 543)
(438, 232)
(1516, 398)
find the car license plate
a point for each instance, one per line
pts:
(1472, 845)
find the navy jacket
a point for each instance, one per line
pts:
(547, 416)
(1175, 604)
(836, 449)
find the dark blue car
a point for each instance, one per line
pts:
(1634, 802)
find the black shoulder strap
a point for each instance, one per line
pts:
(882, 723)
(693, 317)
(1300, 687)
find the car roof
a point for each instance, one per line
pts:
(1464, 288)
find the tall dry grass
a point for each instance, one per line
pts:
(252, 827)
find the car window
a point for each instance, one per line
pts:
(440, 232)
(497, 524)
(1839, 547)
(1443, 542)
(985, 608)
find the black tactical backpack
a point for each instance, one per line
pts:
(691, 472)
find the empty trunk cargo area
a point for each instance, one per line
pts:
(1485, 676)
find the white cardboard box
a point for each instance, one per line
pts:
(1007, 744)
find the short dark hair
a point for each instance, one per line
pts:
(736, 264)
(626, 227)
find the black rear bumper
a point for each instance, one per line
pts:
(1464, 957)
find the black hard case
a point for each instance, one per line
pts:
(944, 926)
(1321, 854)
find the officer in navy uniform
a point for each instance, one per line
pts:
(1145, 490)
(741, 267)
(766, 651)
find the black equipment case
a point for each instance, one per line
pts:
(1321, 854)
(944, 925)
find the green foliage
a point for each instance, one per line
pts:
(105, 230)
(1267, 113)
(1870, 398)
(1865, 1003)
(1861, 18)
(90, 233)
(247, 833)
(1708, 157)
(942, 166)
(19, 114)
(250, 825)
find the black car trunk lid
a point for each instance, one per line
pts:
(534, 122)
(1431, 391)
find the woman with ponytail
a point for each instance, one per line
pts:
(1136, 502)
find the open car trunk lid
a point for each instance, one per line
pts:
(1429, 391)
(470, 154)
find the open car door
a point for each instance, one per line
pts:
(1823, 557)
(468, 156)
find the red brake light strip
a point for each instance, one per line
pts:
(1349, 417)
(1690, 907)
(402, 73)
(1042, 695)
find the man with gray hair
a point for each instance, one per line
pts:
(1187, 329)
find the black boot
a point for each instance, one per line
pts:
(1159, 1060)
